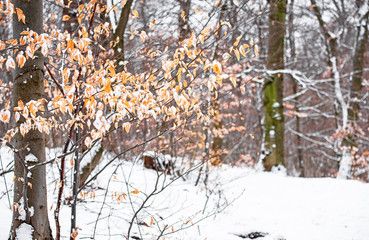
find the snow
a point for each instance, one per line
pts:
(276, 105)
(31, 158)
(296, 208)
(24, 232)
(273, 204)
(345, 164)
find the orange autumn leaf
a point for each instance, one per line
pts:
(5, 115)
(107, 88)
(10, 64)
(80, 8)
(32, 109)
(133, 35)
(237, 41)
(21, 16)
(21, 59)
(66, 18)
(88, 142)
(135, 13)
(44, 49)
(256, 49)
(217, 68)
(152, 24)
(74, 234)
(233, 80)
(22, 41)
(237, 54)
(151, 221)
(70, 44)
(127, 126)
(12, 41)
(30, 51)
(2, 45)
(135, 192)
(244, 49)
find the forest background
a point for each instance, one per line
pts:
(256, 83)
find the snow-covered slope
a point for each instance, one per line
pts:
(271, 205)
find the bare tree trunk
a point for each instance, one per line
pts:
(75, 185)
(295, 88)
(349, 141)
(345, 157)
(184, 28)
(119, 33)
(358, 65)
(119, 56)
(29, 85)
(90, 167)
(273, 88)
(331, 47)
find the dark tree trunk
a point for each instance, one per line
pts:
(29, 85)
(358, 66)
(119, 33)
(273, 88)
(184, 28)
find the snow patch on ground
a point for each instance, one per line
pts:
(282, 207)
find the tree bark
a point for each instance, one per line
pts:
(119, 33)
(349, 142)
(90, 167)
(184, 28)
(29, 85)
(295, 88)
(358, 66)
(273, 144)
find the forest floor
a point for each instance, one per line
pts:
(250, 205)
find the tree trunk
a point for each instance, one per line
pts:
(119, 34)
(90, 167)
(273, 144)
(29, 85)
(119, 56)
(358, 66)
(349, 141)
(295, 88)
(184, 28)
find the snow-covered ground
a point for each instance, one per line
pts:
(267, 204)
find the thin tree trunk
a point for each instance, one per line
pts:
(332, 50)
(88, 169)
(358, 66)
(184, 28)
(349, 141)
(295, 89)
(119, 56)
(29, 85)
(75, 185)
(119, 33)
(345, 157)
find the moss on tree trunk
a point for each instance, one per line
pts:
(273, 88)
